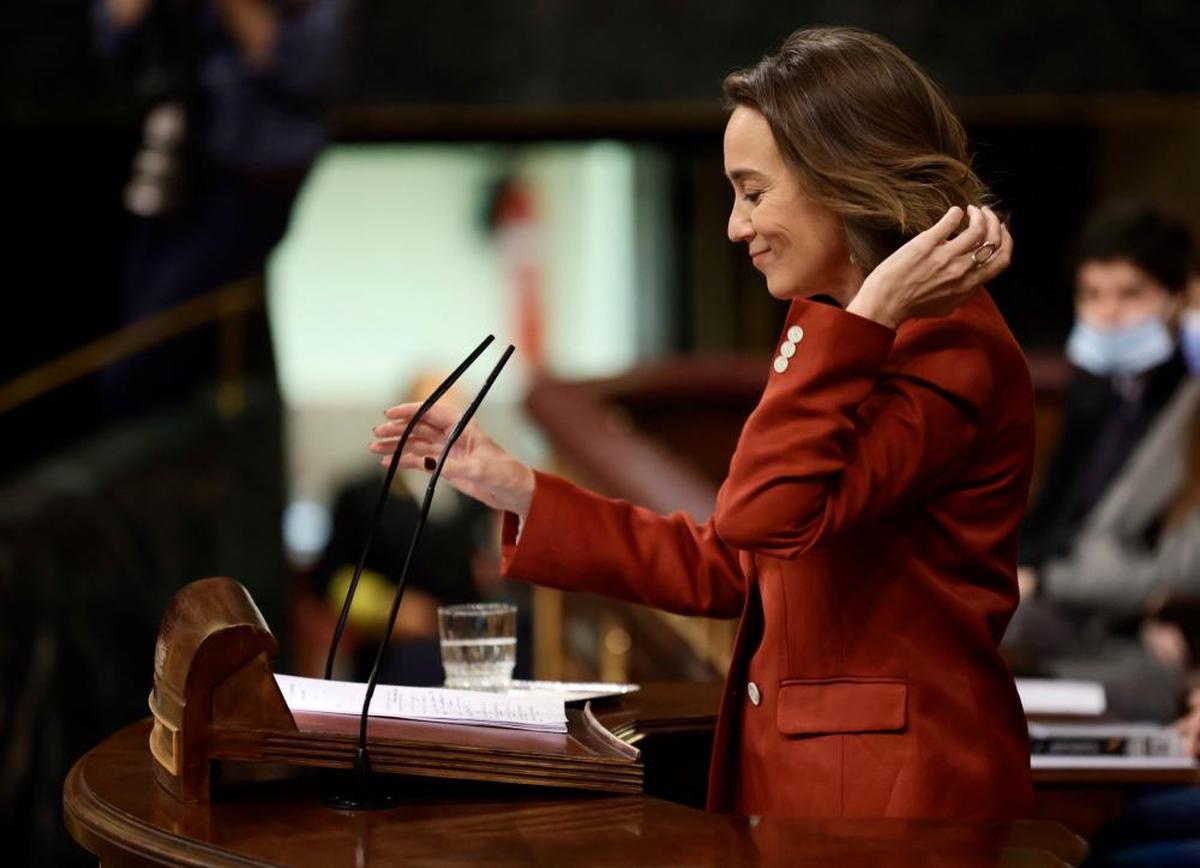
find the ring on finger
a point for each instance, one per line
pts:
(979, 260)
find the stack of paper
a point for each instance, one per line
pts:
(572, 691)
(1110, 745)
(1061, 696)
(535, 712)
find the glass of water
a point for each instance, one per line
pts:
(479, 645)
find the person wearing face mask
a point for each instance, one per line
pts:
(866, 533)
(1115, 531)
(1158, 825)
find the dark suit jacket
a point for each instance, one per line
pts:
(866, 534)
(1062, 504)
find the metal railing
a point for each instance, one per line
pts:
(226, 306)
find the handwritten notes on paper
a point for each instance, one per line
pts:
(538, 713)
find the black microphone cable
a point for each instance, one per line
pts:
(364, 799)
(383, 496)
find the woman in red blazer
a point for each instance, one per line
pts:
(866, 533)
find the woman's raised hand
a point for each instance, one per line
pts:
(476, 466)
(936, 271)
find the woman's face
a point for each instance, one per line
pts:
(1114, 292)
(798, 244)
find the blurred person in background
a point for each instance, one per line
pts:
(236, 95)
(1111, 548)
(458, 561)
(1158, 826)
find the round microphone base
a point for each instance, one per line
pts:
(370, 802)
(357, 793)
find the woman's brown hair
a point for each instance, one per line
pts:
(868, 133)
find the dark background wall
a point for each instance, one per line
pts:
(671, 50)
(472, 52)
(1066, 101)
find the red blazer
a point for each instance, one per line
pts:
(866, 534)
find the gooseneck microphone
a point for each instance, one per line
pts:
(383, 496)
(362, 798)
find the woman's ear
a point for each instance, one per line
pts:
(870, 245)
(857, 245)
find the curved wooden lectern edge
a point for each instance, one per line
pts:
(105, 831)
(211, 666)
(123, 830)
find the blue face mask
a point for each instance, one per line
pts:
(1121, 350)
(1189, 339)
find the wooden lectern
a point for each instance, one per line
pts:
(113, 809)
(216, 698)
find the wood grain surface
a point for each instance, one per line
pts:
(114, 808)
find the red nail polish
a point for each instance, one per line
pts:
(430, 464)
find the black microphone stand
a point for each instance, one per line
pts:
(362, 798)
(383, 496)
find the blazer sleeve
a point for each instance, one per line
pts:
(1120, 578)
(862, 420)
(579, 541)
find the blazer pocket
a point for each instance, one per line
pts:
(810, 706)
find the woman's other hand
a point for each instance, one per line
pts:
(934, 272)
(477, 466)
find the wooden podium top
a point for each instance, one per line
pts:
(114, 807)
